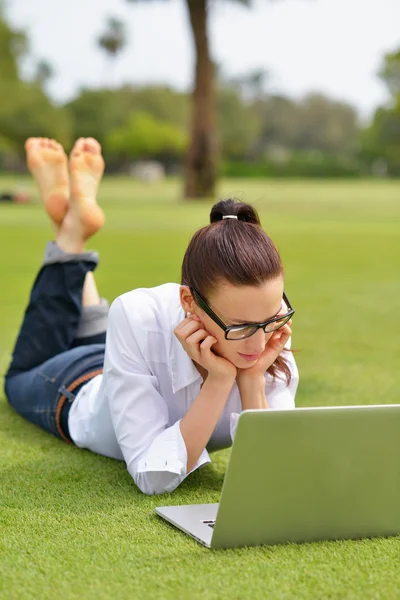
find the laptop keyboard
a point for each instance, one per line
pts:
(210, 523)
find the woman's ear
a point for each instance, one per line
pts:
(187, 300)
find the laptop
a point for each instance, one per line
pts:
(304, 475)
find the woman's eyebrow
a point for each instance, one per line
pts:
(241, 322)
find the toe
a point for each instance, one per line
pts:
(30, 142)
(78, 147)
(93, 145)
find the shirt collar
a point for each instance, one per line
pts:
(183, 370)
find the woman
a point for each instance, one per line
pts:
(180, 362)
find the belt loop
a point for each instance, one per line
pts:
(65, 392)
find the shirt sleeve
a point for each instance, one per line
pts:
(154, 452)
(279, 395)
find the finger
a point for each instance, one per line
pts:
(286, 331)
(281, 343)
(197, 319)
(207, 343)
(277, 341)
(283, 331)
(197, 337)
(190, 318)
(185, 321)
(186, 328)
(275, 337)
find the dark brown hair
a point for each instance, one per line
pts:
(234, 250)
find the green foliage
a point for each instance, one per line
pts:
(13, 45)
(114, 38)
(239, 124)
(298, 164)
(44, 72)
(25, 110)
(380, 143)
(143, 136)
(260, 134)
(315, 123)
(390, 72)
(97, 113)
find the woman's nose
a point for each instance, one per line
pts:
(257, 342)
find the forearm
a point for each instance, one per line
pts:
(202, 417)
(252, 392)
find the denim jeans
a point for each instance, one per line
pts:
(60, 346)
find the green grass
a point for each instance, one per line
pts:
(73, 525)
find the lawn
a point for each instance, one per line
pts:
(72, 524)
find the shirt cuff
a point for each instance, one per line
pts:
(163, 467)
(234, 424)
(166, 453)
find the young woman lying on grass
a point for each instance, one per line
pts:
(179, 362)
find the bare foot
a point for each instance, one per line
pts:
(48, 164)
(86, 167)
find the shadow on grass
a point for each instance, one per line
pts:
(38, 471)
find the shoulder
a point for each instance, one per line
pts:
(154, 309)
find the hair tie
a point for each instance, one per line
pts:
(229, 217)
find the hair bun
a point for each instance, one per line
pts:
(244, 212)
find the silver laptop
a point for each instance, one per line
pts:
(304, 475)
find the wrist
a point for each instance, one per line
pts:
(250, 380)
(220, 381)
(252, 391)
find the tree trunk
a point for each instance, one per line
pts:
(201, 160)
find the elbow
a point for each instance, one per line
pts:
(154, 483)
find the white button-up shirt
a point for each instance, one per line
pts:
(132, 412)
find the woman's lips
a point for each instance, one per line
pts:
(250, 357)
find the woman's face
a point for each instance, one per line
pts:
(236, 305)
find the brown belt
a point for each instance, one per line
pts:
(85, 378)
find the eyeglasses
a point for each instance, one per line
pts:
(240, 332)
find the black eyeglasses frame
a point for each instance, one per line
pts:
(227, 328)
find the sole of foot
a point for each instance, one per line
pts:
(86, 167)
(48, 164)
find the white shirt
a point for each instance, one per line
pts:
(132, 412)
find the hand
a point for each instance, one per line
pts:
(274, 347)
(197, 343)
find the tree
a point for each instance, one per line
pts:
(202, 156)
(239, 124)
(13, 46)
(113, 40)
(144, 136)
(327, 125)
(25, 109)
(390, 73)
(44, 72)
(98, 112)
(380, 143)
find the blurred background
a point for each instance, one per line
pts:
(291, 88)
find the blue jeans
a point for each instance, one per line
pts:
(60, 346)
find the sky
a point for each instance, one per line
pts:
(331, 46)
